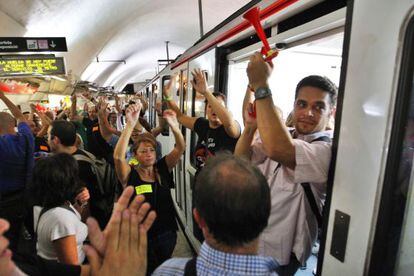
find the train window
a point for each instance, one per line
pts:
(165, 80)
(394, 243)
(318, 57)
(153, 104)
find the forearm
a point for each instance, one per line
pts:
(43, 131)
(73, 114)
(277, 141)
(248, 98)
(173, 106)
(243, 146)
(179, 139)
(222, 112)
(161, 124)
(122, 145)
(15, 111)
(104, 127)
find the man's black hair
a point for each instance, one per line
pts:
(233, 198)
(65, 131)
(323, 83)
(55, 180)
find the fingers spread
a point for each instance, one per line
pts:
(136, 204)
(96, 236)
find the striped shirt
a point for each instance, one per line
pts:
(214, 262)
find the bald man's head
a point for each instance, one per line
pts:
(7, 123)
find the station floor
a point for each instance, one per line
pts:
(182, 248)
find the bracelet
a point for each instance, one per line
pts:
(168, 99)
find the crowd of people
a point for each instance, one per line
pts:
(257, 199)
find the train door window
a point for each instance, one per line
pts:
(165, 81)
(393, 249)
(318, 57)
(152, 104)
(199, 110)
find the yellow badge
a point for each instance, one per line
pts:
(143, 189)
(95, 129)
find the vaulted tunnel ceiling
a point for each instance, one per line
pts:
(133, 31)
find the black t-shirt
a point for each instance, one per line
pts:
(96, 143)
(210, 141)
(90, 181)
(159, 196)
(41, 145)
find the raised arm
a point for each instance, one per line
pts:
(174, 156)
(104, 127)
(66, 250)
(15, 111)
(248, 99)
(46, 121)
(121, 165)
(243, 146)
(230, 125)
(161, 122)
(277, 141)
(183, 119)
(73, 116)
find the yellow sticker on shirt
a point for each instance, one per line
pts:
(143, 189)
(95, 129)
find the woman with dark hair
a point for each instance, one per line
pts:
(154, 180)
(60, 231)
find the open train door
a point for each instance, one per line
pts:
(372, 209)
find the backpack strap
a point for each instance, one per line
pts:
(191, 267)
(308, 191)
(312, 202)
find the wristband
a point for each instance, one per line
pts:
(168, 99)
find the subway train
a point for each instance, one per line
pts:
(366, 48)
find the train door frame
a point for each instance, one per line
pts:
(323, 26)
(367, 112)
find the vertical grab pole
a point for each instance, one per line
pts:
(200, 17)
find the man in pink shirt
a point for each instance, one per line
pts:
(290, 159)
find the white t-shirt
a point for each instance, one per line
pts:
(55, 224)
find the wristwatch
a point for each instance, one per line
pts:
(262, 92)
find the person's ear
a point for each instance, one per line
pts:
(333, 112)
(200, 221)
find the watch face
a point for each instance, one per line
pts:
(262, 93)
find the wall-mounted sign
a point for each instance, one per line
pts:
(31, 65)
(33, 44)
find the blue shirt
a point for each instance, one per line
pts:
(214, 262)
(16, 155)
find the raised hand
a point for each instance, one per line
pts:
(171, 118)
(158, 108)
(103, 109)
(132, 113)
(199, 81)
(258, 71)
(168, 89)
(123, 243)
(83, 196)
(7, 266)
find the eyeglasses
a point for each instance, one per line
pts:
(144, 151)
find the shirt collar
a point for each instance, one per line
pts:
(236, 263)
